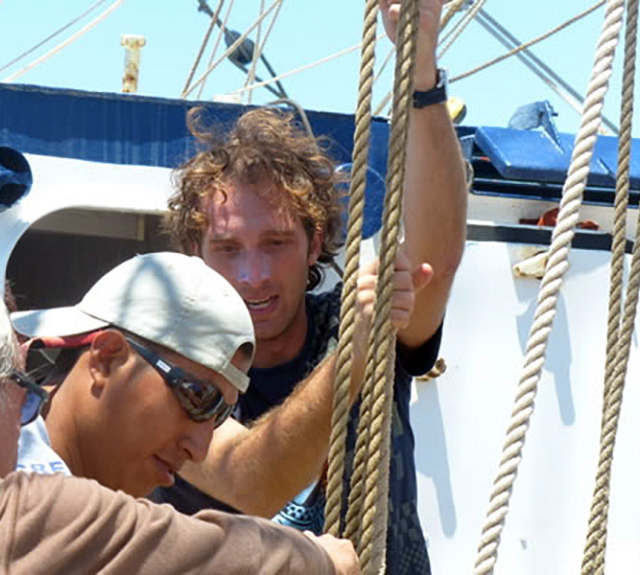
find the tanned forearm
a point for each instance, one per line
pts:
(436, 192)
(258, 470)
(434, 214)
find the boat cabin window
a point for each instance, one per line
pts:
(61, 256)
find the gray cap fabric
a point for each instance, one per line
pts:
(173, 300)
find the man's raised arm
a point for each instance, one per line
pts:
(436, 193)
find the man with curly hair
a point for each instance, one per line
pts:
(262, 208)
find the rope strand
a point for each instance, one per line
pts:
(352, 259)
(619, 332)
(549, 289)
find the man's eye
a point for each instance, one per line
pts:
(225, 248)
(278, 242)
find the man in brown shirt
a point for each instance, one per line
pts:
(62, 525)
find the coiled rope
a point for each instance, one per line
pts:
(547, 299)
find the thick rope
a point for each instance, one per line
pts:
(356, 490)
(618, 333)
(374, 509)
(550, 286)
(352, 260)
(355, 513)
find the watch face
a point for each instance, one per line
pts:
(443, 79)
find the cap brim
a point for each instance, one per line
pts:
(62, 321)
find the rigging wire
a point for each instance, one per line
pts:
(452, 8)
(216, 45)
(387, 98)
(444, 37)
(233, 46)
(64, 44)
(569, 94)
(305, 67)
(460, 26)
(203, 46)
(465, 21)
(52, 36)
(385, 63)
(256, 56)
(530, 42)
(246, 50)
(259, 54)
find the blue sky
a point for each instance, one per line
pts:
(304, 32)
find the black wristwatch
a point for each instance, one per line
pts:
(437, 94)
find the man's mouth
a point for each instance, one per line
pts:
(259, 304)
(168, 470)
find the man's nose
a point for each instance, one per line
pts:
(196, 442)
(254, 269)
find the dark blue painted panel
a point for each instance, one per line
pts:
(129, 129)
(533, 155)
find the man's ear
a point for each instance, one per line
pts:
(109, 350)
(315, 247)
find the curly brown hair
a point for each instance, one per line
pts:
(266, 146)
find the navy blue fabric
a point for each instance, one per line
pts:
(406, 546)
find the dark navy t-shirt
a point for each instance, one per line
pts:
(406, 547)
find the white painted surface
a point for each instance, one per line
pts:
(60, 183)
(460, 422)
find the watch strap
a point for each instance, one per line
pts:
(437, 94)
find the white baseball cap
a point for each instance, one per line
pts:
(171, 299)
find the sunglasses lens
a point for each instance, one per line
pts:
(30, 408)
(203, 402)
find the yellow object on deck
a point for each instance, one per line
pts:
(457, 109)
